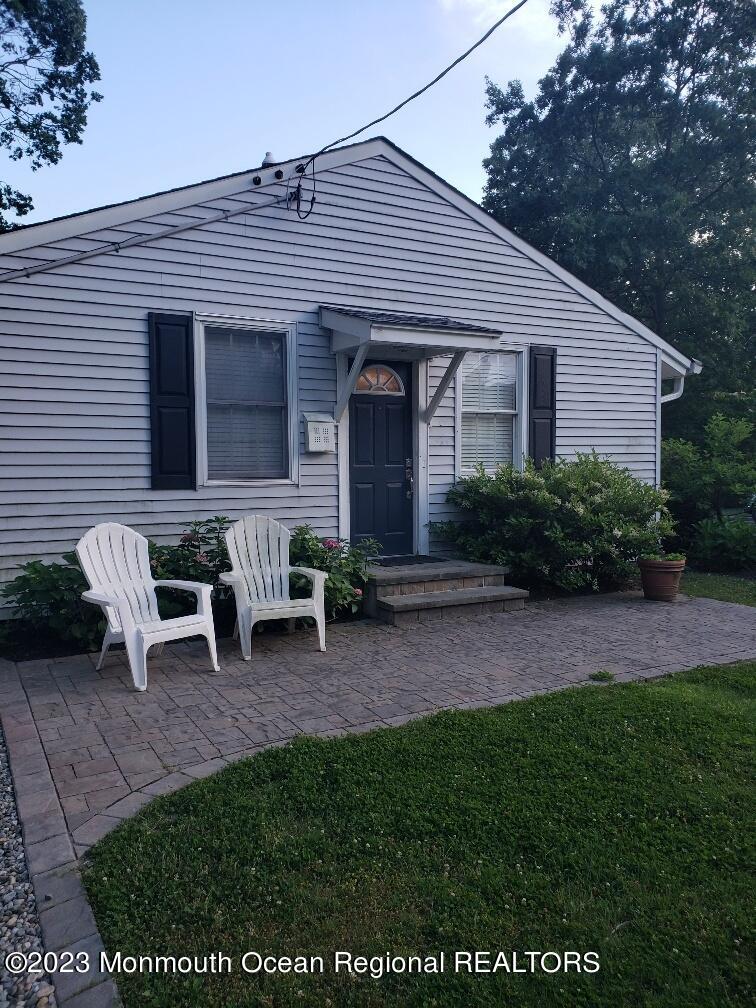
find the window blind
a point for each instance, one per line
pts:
(489, 405)
(487, 439)
(489, 381)
(247, 413)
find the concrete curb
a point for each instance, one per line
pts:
(68, 924)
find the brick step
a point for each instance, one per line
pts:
(414, 579)
(427, 607)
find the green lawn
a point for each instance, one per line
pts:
(726, 587)
(609, 818)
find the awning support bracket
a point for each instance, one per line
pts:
(444, 384)
(351, 381)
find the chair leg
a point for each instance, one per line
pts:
(137, 653)
(245, 624)
(106, 642)
(320, 623)
(212, 648)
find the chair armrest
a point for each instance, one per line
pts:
(239, 585)
(193, 586)
(309, 572)
(101, 598)
(121, 606)
(202, 590)
(229, 578)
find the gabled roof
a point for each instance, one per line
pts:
(116, 214)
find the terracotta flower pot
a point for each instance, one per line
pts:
(661, 578)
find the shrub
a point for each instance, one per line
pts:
(571, 525)
(201, 555)
(47, 597)
(724, 545)
(703, 481)
(345, 563)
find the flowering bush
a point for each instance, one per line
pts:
(569, 525)
(345, 564)
(200, 555)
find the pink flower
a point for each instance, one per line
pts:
(332, 544)
(202, 558)
(358, 592)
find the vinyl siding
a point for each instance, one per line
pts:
(74, 410)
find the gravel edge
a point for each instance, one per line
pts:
(20, 929)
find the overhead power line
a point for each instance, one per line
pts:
(374, 122)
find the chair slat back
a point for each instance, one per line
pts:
(258, 548)
(115, 559)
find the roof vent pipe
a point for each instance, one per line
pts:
(268, 160)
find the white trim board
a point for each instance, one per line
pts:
(94, 220)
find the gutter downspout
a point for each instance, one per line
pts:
(677, 390)
(679, 382)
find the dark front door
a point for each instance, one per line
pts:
(380, 457)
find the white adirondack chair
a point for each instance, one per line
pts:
(258, 548)
(116, 563)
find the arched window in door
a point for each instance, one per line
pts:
(379, 379)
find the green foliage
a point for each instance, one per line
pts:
(44, 76)
(547, 823)
(602, 675)
(724, 545)
(703, 480)
(200, 555)
(346, 565)
(631, 167)
(571, 525)
(47, 597)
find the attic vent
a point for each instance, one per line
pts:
(268, 160)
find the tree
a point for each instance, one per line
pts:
(704, 479)
(45, 71)
(633, 168)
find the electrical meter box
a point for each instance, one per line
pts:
(320, 432)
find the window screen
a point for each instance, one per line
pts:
(247, 414)
(489, 406)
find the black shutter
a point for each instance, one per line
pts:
(172, 402)
(542, 440)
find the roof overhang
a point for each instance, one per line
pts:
(351, 333)
(676, 365)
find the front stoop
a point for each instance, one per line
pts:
(424, 593)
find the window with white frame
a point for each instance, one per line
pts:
(488, 409)
(246, 403)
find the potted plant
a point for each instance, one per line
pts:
(660, 575)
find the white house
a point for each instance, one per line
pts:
(162, 359)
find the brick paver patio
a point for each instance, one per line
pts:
(87, 751)
(109, 749)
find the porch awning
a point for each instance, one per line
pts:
(413, 337)
(365, 333)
